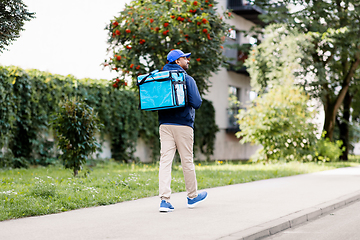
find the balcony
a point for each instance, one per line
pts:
(247, 11)
(237, 57)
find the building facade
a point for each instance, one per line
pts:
(231, 88)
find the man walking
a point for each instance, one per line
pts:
(177, 132)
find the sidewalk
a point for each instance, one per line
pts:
(242, 211)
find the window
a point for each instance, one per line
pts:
(233, 108)
(234, 96)
(232, 34)
(231, 45)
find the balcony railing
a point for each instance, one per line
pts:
(247, 11)
(237, 58)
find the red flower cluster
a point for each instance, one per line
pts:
(131, 65)
(165, 32)
(157, 29)
(151, 20)
(115, 24)
(208, 36)
(117, 82)
(172, 16)
(128, 47)
(180, 19)
(117, 57)
(210, 5)
(117, 32)
(166, 24)
(192, 11)
(205, 30)
(204, 21)
(138, 66)
(128, 31)
(142, 41)
(195, 3)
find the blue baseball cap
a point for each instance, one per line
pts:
(176, 54)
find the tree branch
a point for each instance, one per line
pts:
(346, 82)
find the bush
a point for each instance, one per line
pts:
(327, 151)
(281, 122)
(75, 126)
(205, 128)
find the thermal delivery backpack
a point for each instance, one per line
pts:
(162, 90)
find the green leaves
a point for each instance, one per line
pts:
(330, 62)
(28, 105)
(205, 128)
(281, 122)
(13, 16)
(75, 125)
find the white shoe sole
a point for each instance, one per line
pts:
(193, 205)
(162, 209)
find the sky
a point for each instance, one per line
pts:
(66, 37)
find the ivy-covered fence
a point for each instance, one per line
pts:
(29, 98)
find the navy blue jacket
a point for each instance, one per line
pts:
(183, 115)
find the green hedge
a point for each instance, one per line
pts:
(29, 98)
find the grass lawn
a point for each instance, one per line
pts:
(45, 190)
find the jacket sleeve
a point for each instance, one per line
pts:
(194, 98)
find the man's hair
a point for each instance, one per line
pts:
(171, 62)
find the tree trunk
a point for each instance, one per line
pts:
(332, 107)
(329, 124)
(344, 126)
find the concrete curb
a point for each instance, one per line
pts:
(292, 220)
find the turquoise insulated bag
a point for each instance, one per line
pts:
(162, 90)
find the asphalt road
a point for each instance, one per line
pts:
(341, 224)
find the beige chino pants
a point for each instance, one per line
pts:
(178, 137)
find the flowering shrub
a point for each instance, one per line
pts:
(146, 30)
(280, 121)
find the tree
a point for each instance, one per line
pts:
(333, 60)
(146, 30)
(13, 14)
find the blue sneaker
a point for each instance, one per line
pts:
(194, 201)
(166, 206)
